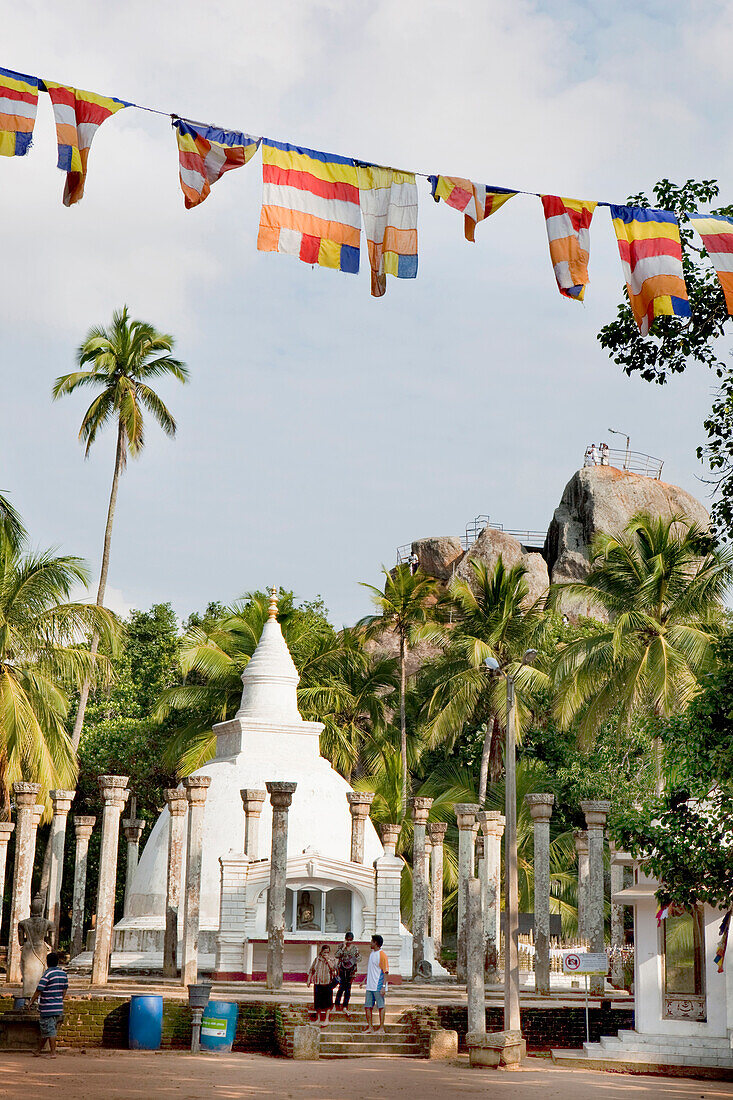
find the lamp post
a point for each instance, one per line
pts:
(512, 1021)
(613, 431)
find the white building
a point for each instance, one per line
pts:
(683, 1007)
(327, 894)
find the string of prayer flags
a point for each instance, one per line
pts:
(389, 209)
(651, 256)
(18, 103)
(310, 206)
(568, 231)
(78, 116)
(205, 153)
(716, 233)
(719, 959)
(477, 201)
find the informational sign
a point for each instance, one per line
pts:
(585, 962)
(211, 1025)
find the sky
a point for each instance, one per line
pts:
(321, 428)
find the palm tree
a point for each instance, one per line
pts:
(494, 620)
(121, 360)
(40, 657)
(12, 531)
(661, 584)
(409, 605)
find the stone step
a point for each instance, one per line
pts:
(622, 1054)
(644, 1040)
(346, 1050)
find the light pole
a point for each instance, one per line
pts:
(628, 444)
(512, 1021)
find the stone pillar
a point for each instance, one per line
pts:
(491, 823)
(420, 810)
(359, 804)
(466, 817)
(38, 811)
(595, 821)
(252, 801)
(617, 920)
(132, 827)
(437, 830)
(61, 802)
(24, 796)
(177, 804)
(197, 788)
(475, 989)
(281, 797)
(540, 806)
(6, 828)
(581, 847)
(389, 875)
(83, 827)
(114, 794)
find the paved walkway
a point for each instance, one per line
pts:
(119, 1075)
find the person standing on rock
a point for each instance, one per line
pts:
(588, 460)
(347, 958)
(376, 985)
(604, 454)
(322, 974)
(414, 563)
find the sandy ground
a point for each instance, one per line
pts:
(118, 1074)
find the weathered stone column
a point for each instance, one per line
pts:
(437, 830)
(83, 827)
(177, 803)
(617, 920)
(281, 797)
(38, 811)
(491, 823)
(359, 803)
(197, 788)
(595, 821)
(114, 795)
(24, 796)
(6, 828)
(252, 801)
(475, 989)
(581, 847)
(420, 809)
(132, 827)
(61, 802)
(466, 817)
(540, 806)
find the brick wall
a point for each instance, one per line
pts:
(546, 1027)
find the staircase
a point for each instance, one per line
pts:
(674, 1055)
(344, 1037)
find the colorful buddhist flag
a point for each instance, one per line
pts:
(389, 210)
(568, 231)
(716, 233)
(476, 200)
(310, 206)
(78, 116)
(205, 153)
(719, 959)
(651, 256)
(18, 103)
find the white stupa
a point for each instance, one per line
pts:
(266, 740)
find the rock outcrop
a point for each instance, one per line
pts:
(492, 545)
(439, 556)
(602, 498)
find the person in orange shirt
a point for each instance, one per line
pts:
(376, 985)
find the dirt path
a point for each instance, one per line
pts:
(115, 1075)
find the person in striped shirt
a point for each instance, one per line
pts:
(50, 996)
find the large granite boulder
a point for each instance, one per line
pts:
(438, 556)
(602, 498)
(491, 545)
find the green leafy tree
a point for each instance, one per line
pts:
(661, 583)
(12, 531)
(408, 606)
(120, 361)
(495, 619)
(676, 346)
(40, 658)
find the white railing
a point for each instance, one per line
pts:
(636, 462)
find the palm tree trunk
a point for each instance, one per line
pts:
(483, 775)
(119, 463)
(403, 724)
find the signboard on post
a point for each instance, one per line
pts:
(585, 962)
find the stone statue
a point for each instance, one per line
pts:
(330, 925)
(33, 933)
(307, 913)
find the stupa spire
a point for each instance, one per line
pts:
(270, 679)
(273, 604)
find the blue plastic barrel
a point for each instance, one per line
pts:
(146, 1022)
(219, 1026)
